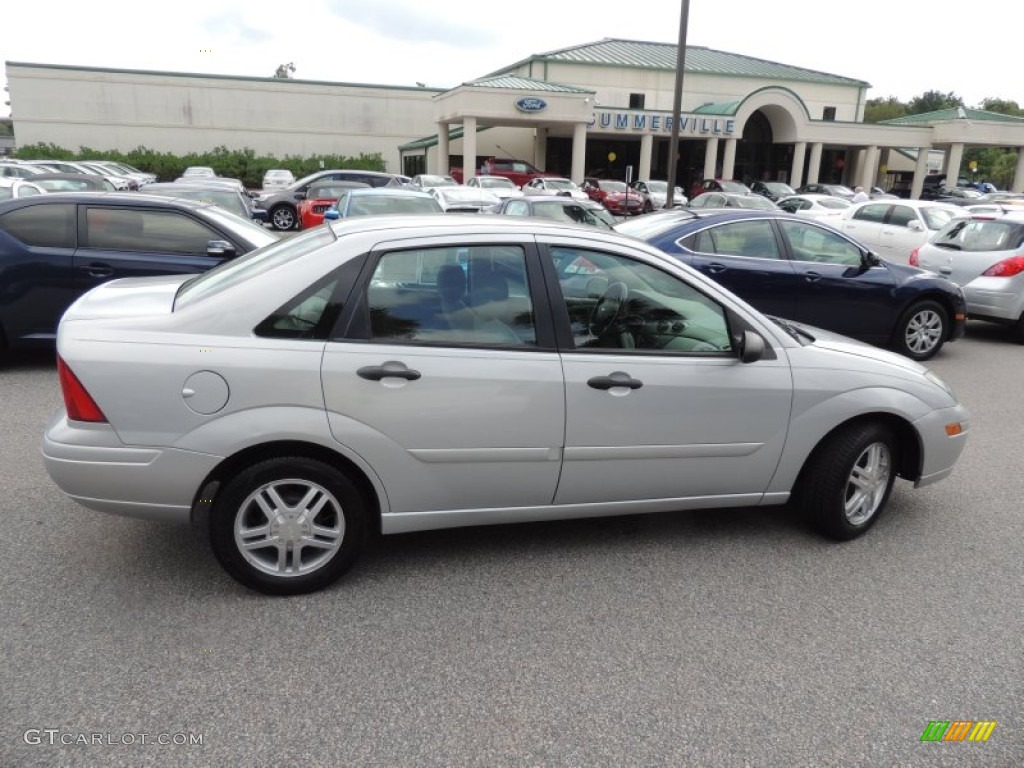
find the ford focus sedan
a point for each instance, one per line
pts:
(399, 374)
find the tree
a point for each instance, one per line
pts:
(1003, 106)
(933, 101)
(285, 71)
(877, 110)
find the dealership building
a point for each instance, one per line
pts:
(601, 108)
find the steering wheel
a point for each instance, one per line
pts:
(607, 309)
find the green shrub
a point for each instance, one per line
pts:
(241, 164)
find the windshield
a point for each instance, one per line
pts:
(735, 186)
(572, 212)
(834, 202)
(373, 205)
(612, 186)
(652, 224)
(251, 264)
(981, 235)
(560, 184)
(754, 201)
(497, 183)
(935, 218)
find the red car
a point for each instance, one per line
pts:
(519, 172)
(615, 196)
(719, 185)
(320, 197)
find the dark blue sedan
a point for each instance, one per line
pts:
(808, 272)
(55, 247)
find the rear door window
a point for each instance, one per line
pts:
(46, 226)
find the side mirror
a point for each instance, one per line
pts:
(751, 347)
(220, 249)
(869, 259)
(332, 214)
(300, 195)
(914, 225)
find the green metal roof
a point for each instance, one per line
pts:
(721, 108)
(648, 55)
(955, 113)
(515, 82)
(431, 141)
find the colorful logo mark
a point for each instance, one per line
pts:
(958, 730)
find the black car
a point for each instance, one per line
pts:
(836, 190)
(557, 208)
(228, 198)
(773, 190)
(282, 207)
(55, 247)
(801, 270)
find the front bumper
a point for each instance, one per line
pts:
(90, 464)
(940, 450)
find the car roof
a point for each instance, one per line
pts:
(389, 191)
(138, 199)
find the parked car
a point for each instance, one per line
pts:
(822, 207)
(952, 195)
(732, 200)
(719, 185)
(20, 170)
(614, 195)
(773, 190)
(228, 198)
(519, 172)
(984, 255)
(119, 183)
(499, 186)
(427, 181)
(836, 190)
(321, 196)
(400, 375)
(57, 246)
(461, 199)
(809, 272)
(198, 170)
(282, 207)
(14, 187)
(554, 185)
(655, 194)
(72, 182)
(382, 202)
(277, 179)
(894, 228)
(558, 208)
(142, 177)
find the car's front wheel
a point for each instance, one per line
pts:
(848, 479)
(283, 217)
(289, 525)
(921, 331)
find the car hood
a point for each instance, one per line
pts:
(128, 297)
(834, 342)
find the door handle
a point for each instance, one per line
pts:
(812, 277)
(617, 379)
(97, 270)
(715, 269)
(388, 371)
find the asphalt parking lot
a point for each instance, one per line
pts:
(724, 638)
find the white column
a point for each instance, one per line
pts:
(442, 150)
(870, 170)
(646, 145)
(883, 162)
(579, 152)
(796, 173)
(1018, 175)
(920, 171)
(540, 149)
(729, 160)
(814, 167)
(468, 148)
(956, 156)
(851, 174)
(710, 157)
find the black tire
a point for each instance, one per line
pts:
(648, 206)
(827, 486)
(921, 331)
(291, 480)
(1016, 330)
(283, 217)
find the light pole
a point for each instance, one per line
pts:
(677, 102)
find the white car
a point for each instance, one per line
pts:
(824, 208)
(894, 228)
(277, 179)
(499, 186)
(554, 185)
(397, 374)
(14, 187)
(655, 195)
(459, 199)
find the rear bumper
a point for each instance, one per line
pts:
(996, 297)
(90, 464)
(940, 450)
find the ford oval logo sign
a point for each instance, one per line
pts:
(531, 104)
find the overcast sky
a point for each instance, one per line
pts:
(902, 47)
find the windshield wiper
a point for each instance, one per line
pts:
(797, 333)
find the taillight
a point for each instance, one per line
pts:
(79, 404)
(914, 261)
(1006, 268)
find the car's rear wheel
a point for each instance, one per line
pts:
(847, 481)
(283, 217)
(286, 526)
(921, 331)
(1017, 330)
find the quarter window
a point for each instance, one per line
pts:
(619, 304)
(478, 295)
(45, 226)
(810, 243)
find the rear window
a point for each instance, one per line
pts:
(251, 264)
(981, 235)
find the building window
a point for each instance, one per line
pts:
(829, 113)
(636, 101)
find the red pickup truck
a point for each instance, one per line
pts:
(518, 171)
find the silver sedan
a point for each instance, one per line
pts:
(410, 373)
